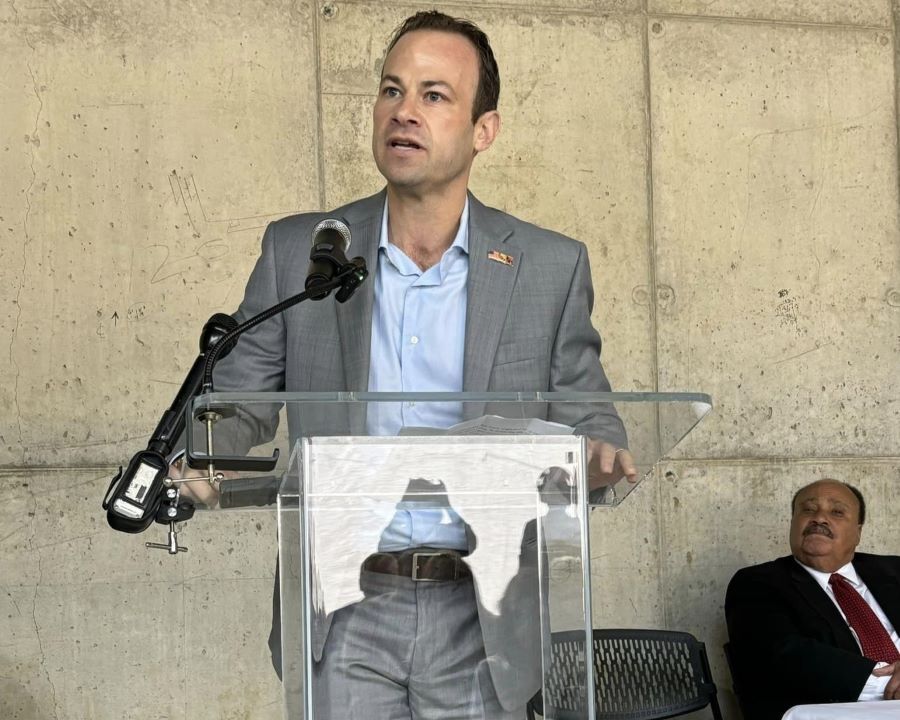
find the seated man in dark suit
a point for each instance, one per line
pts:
(820, 626)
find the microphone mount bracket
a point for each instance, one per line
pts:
(172, 509)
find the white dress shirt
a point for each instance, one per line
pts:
(874, 687)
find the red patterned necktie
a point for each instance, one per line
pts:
(874, 639)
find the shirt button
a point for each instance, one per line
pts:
(414, 339)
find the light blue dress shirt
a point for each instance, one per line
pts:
(418, 340)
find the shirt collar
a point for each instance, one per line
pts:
(461, 240)
(847, 571)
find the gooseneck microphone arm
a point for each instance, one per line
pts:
(329, 268)
(171, 425)
(214, 354)
(144, 492)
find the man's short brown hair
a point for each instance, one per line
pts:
(488, 91)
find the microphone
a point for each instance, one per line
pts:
(134, 496)
(328, 255)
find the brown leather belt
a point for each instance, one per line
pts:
(420, 564)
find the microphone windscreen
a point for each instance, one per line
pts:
(217, 327)
(332, 230)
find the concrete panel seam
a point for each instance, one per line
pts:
(143, 583)
(34, 622)
(15, 471)
(895, 17)
(723, 19)
(660, 565)
(14, 334)
(652, 279)
(545, 10)
(320, 127)
(512, 8)
(651, 234)
(892, 460)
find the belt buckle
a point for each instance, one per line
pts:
(426, 555)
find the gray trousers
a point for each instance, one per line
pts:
(407, 651)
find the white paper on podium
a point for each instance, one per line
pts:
(875, 710)
(355, 484)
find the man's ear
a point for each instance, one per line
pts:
(487, 127)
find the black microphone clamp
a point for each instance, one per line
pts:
(353, 273)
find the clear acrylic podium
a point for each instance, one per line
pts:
(371, 527)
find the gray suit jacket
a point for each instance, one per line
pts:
(528, 328)
(528, 325)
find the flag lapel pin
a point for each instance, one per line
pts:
(500, 257)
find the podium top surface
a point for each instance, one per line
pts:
(508, 397)
(242, 431)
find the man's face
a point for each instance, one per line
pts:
(423, 136)
(825, 527)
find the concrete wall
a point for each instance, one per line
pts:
(732, 166)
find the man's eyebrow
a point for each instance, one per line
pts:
(425, 83)
(834, 503)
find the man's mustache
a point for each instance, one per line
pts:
(815, 528)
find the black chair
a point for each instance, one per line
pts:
(638, 675)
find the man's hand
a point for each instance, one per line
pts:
(608, 464)
(892, 691)
(200, 491)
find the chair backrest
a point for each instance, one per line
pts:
(638, 675)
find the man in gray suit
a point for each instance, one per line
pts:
(462, 298)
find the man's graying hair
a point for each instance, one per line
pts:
(856, 493)
(488, 92)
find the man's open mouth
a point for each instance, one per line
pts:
(405, 144)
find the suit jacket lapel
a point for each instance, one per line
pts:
(355, 316)
(812, 592)
(488, 293)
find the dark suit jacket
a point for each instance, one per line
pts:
(789, 643)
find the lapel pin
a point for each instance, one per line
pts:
(500, 257)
